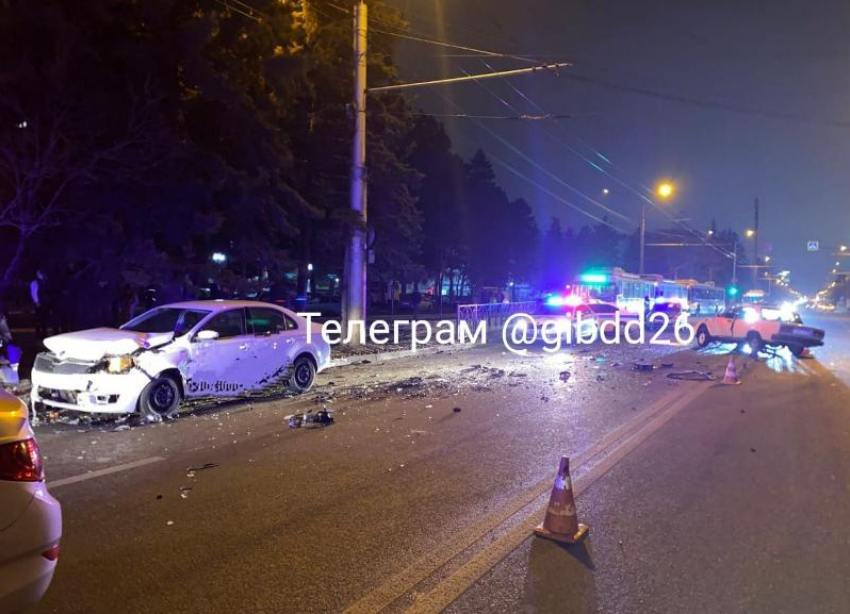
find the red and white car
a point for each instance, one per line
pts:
(758, 326)
(30, 519)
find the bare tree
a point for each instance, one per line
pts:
(42, 158)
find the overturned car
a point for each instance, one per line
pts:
(189, 349)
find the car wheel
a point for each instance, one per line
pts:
(797, 350)
(303, 375)
(703, 338)
(755, 342)
(160, 399)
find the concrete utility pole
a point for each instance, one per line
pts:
(642, 235)
(354, 285)
(735, 262)
(756, 245)
(355, 294)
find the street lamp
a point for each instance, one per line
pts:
(664, 190)
(606, 191)
(843, 248)
(750, 233)
(219, 258)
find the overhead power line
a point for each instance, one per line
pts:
(420, 38)
(522, 117)
(501, 73)
(709, 104)
(705, 241)
(513, 170)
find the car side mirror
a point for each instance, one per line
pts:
(207, 335)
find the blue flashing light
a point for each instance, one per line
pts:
(554, 300)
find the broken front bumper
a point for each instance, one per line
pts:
(98, 392)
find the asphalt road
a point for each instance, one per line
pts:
(700, 498)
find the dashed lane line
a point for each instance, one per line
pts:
(90, 475)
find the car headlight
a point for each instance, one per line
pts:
(119, 364)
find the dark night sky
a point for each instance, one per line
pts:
(770, 117)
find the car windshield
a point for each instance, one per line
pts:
(166, 320)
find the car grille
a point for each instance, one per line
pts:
(50, 363)
(59, 396)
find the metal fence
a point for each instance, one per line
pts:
(495, 314)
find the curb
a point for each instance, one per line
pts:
(393, 355)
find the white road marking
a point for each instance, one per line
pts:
(102, 472)
(401, 583)
(445, 593)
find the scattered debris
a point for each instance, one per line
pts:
(565, 375)
(311, 420)
(666, 365)
(121, 427)
(158, 497)
(752, 449)
(184, 491)
(170, 522)
(456, 410)
(202, 467)
(643, 366)
(691, 376)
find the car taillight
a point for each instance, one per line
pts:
(21, 462)
(51, 554)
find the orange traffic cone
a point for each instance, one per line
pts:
(561, 521)
(731, 377)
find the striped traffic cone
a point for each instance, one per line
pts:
(731, 376)
(561, 521)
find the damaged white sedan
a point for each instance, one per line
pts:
(189, 349)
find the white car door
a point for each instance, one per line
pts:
(226, 365)
(276, 342)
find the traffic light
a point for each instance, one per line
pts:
(732, 290)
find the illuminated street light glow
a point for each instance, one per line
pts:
(750, 233)
(219, 258)
(665, 190)
(606, 191)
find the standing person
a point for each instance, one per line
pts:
(39, 293)
(416, 299)
(128, 302)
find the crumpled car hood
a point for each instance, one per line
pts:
(96, 343)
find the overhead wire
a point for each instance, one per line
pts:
(535, 164)
(416, 37)
(643, 197)
(519, 117)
